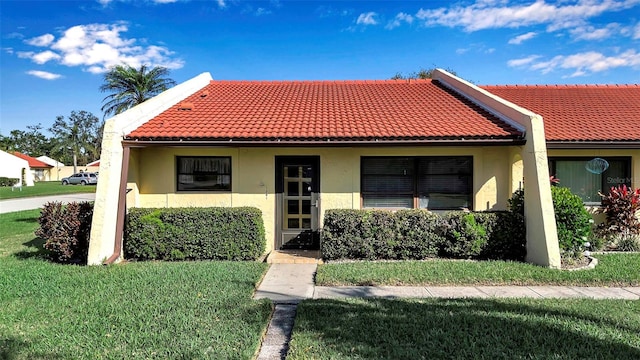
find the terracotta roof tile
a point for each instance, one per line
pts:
(321, 110)
(33, 162)
(581, 112)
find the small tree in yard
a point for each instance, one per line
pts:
(621, 206)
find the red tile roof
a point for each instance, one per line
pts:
(33, 162)
(581, 112)
(324, 110)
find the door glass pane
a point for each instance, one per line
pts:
(292, 188)
(307, 171)
(291, 171)
(306, 189)
(293, 207)
(293, 223)
(306, 207)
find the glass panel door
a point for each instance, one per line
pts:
(297, 196)
(298, 202)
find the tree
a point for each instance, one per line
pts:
(31, 142)
(420, 74)
(80, 135)
(130, 86)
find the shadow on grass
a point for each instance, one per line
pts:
(30, 220)
(12, 348)
(35, 250)
(464, 329)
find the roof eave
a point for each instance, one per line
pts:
(581, 144)
(327, 142)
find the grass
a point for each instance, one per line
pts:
(612, 270)
(466, 329)
(44, 188)
(181, 310)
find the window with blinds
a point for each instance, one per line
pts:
(430, 182)
(203, 173)
(584, 179)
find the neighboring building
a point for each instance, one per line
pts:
(592, 133)
(295, 149)
(47, 160)
(14, 167)
(40, 171)
(94, 163)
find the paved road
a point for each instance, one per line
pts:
(29, 203)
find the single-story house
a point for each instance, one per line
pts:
(40, 171)
(94, 163)
(14, 167)
(295, 149)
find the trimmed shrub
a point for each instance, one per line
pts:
(65, 230)
(573, 221)
(507, 235)
(420, 234)
(379, 234)
(194, 234)
(5, 181)
(417, 234)
(463, 236)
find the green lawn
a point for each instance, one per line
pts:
(181, 310)
(612, 270)
(44, 188)
(466, 329)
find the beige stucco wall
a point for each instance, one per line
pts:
(152, 177)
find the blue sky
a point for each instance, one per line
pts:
(54, 53)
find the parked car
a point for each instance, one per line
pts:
(81, 178)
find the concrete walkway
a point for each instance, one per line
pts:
(38, 202)
(291, 283)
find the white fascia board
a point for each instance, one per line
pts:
(137, 116)
(504, 110)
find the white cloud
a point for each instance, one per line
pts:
(523, 62)
(367, 19)
(522, 38)
(45, 56)
(221, 4)
(164, 1)
(398, 20)
(8, 50)
(44, 74)
(97, 47)
(636, 32)
(42, 40)
(580, 64)
(591, 33)
(499, 14)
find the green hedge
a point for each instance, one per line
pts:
(194, 234)
(420, 234)
(497, 235)
(5, 181)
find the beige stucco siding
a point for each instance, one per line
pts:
(152, 177)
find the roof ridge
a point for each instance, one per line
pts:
(317, 82)
(562, 86)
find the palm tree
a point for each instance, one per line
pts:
(77, 135)
(131, 86)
